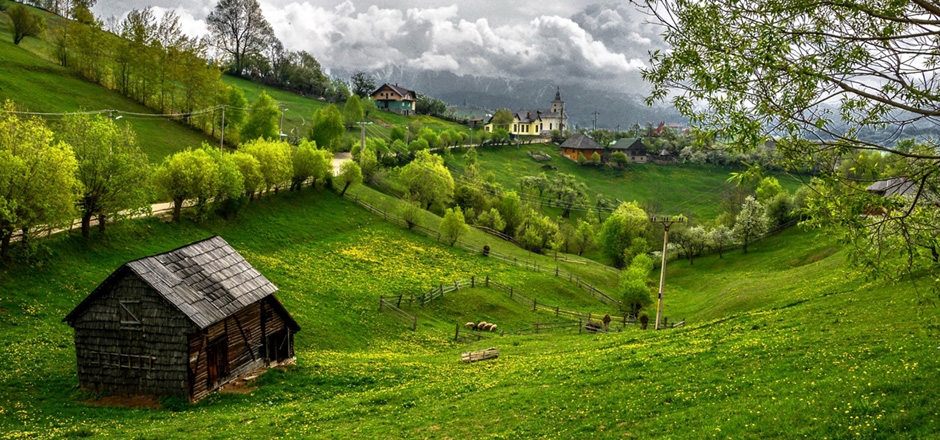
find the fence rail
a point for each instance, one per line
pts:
(392, 308)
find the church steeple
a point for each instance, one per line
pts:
(558, 94)
(558, 106)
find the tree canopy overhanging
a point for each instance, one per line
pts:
(828, 80)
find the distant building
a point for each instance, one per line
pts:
(634, 148)
(396, 99)
(583, 144)
(537, 122)
(182, 323)
(895, 186)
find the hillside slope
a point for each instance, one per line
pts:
(814, 352)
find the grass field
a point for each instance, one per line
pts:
(781, 343)
(692, 190)
(38, 85)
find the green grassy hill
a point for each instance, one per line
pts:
(780, 343)
(693, 190)
(38, 85)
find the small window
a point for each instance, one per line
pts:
(130, 314)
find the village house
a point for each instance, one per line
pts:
(181, 323)
(583, 144)
(537, 122)
(395, 98)
(634, 148)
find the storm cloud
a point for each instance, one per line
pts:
(506, 39)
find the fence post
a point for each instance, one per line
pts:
(569, 276)
(589, 316)
(556, 271)
(473, 281)
(535, 304)
(580, 325)
(456, 285)
(457, 332)
(441, 287)
(414, 324)
(487, 281)
(556, 311)
(510, 292)
(399, 301)
(381, 300)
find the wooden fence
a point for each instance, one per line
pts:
(392, 306)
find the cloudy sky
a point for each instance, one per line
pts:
(503, 38)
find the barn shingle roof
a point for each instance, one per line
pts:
(579, 141)
(206, 280)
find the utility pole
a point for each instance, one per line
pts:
(666, 222)
(222, 133)
(280, 123)
(362, 135)
(595, 119)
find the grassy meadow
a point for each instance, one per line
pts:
(36, 84)
(692, 190)
(781, 342)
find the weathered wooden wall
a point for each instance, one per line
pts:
(148, 358)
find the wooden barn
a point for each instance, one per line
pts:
(580, 143)
(182, 323)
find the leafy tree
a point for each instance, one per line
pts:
(619, 159)
(114, 172)
(187, 175)
(349, 174)
(250, 170)
(751, 222)
(352, 111)
(511, 208)
(306, 162)
(37, 178)
(768, 188)
(692, 240)
(633, 284)
(327, 127)
(369, 164)
(418, 145)
(536, 232)
(453, 225)
(274, 157)
(491, 219)
(568, 191)
(234, 101)
(619, 230)
(398, 133)
(539, 184)
(596, 159)
(239, 29)
(262, 120)
(25, 23)
(584, 236)
(411, 213)
(831, 70)
(502, 119)
(229, 197)
(363, 84)
(719, 237)
(427, 180)
(581, 159)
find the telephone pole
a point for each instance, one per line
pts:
(595, 120)
(222, 133)
(666, 222)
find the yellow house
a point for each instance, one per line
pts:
(537, 122)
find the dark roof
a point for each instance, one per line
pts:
(580, 141)
(401, 91)
(896, 186)
(629, 144)
(207, 281)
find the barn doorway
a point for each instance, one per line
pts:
(216, 361)
(278, 346)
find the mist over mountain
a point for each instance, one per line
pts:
(618, 105)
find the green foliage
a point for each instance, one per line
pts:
(427, 180)
(491, 219)
(38, 186)
(308, 162)
(352, 111)
(453, 226)
(619, 159)
(250, 170)
(363, 84)
(719, 237)
(349, 174)
(229, 197)
(369, 164)
(274, 157)
(327, 128)
(596, 159)
(25, 23)
(634, 290)
(234, 101)
(619, 230)
(398, 133)
(261, 122)
(187, 175)
(240, 31)
(502, 118)
(751, 222)
(768, 188)
(410, 212)
(113, 170)
(536, 232)
(581, 159)
(584, 236)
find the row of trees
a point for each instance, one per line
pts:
(92, 168)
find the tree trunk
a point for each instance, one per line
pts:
(5, 245)
(343, 192)
(86, 224)
(177, 207)
(102, 220)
